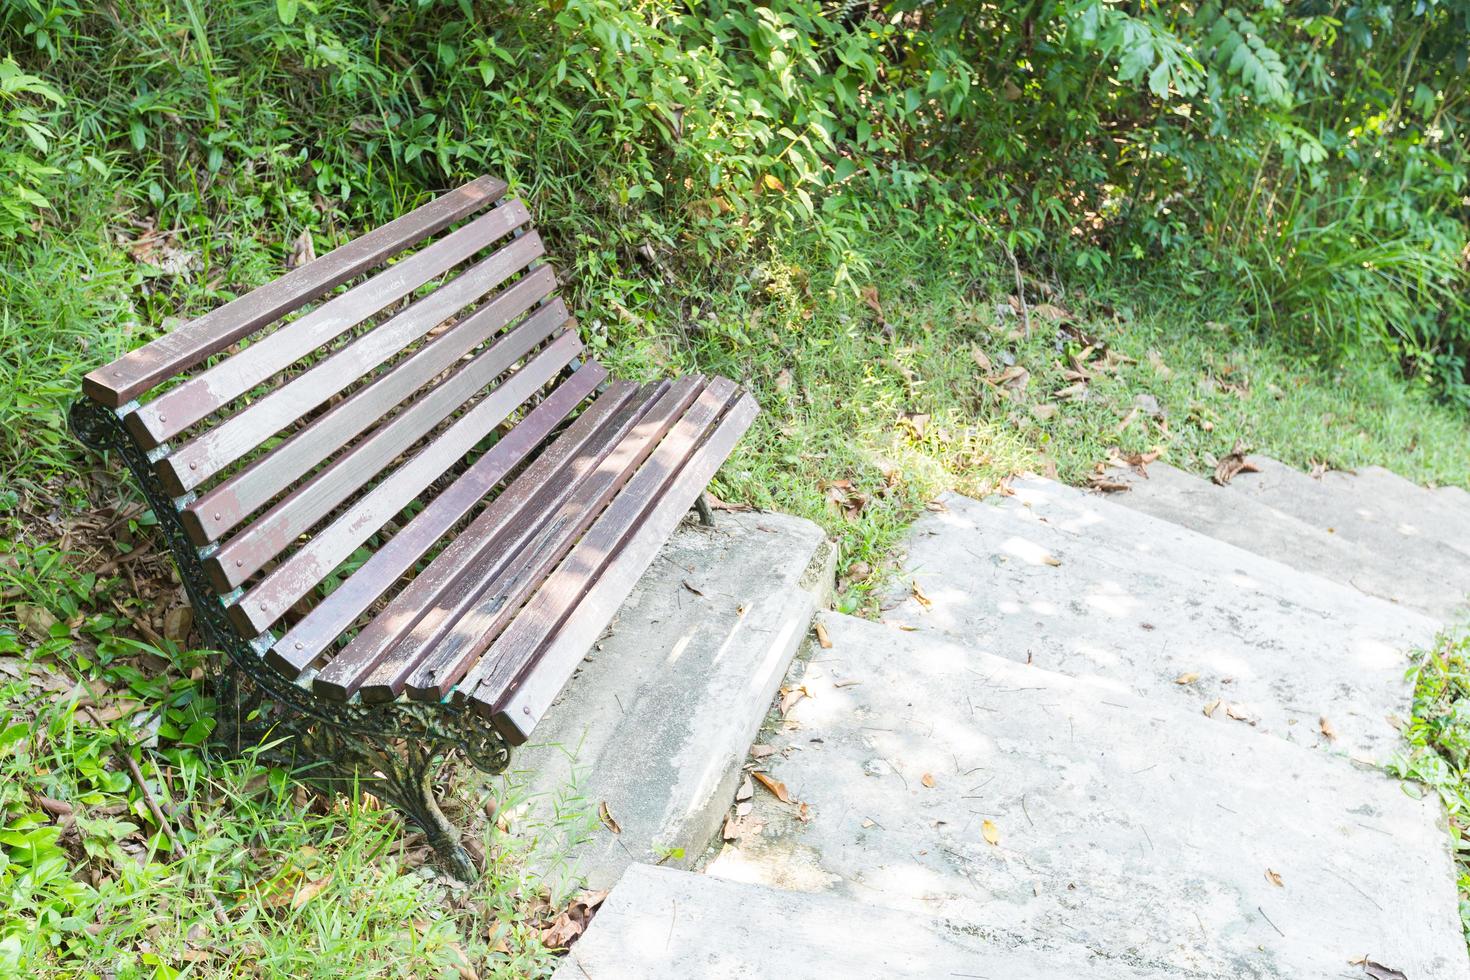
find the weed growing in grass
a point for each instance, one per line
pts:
(1438, 744)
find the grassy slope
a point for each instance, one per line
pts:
(890, 399)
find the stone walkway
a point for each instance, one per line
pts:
(1108, 736)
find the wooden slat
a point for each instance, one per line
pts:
(140, 370)
(222, 444)
(521, 703)
(501, 607)
(532, 694)
(297, 575)
(467, 616)
(267, 536)
(221, 508)
(346, 672)
(180, 407)
(319, 628)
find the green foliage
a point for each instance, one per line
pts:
(825, 200)
(1276, 146)
(1438, 737)
(23, 135)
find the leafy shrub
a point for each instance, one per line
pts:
(1310, 156)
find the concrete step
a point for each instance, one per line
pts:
(1459, 496)
(655, 724)
(1064, 815)
(1385, 531)
(1075, 583)
(662, 924)
(1395, 500)
(1195, 503)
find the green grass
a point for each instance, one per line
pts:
(869, 412)
(1438, 744)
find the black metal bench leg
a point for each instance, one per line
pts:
(392, 749)
(706, 515)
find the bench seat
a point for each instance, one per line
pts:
(398, 474)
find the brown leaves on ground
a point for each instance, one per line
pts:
(991, 832)
(928, 780)
(1377, 971)
(295, 888)
(823, 640)
(1274, 877)
(573, 920)
(919, 596)
(605, 815)
(1236, 712)
(843, 498)
(1011, 381)
(773, 786)
(1102, 481)
(716, 503)
(1326, 728)
(790, 696)
(1233, 464)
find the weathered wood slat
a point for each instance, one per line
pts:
(501, 602)
(304, 569)
(466, 618)
(144, 368)
(198, 460)
(181, 407)
(221, 508)
(517, 702)
(318, 629)
(268, 535)
(346, 672)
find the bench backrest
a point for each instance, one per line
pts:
(373, 395)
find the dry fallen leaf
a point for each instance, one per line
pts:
(1377, 971)
(1274, 877)
(1043, 412)
(991, 832)
(822, 638)
(1014, 376)
(1237, 712)
(311, 889)
(573, 920)
(1327, 730)
(1233, 464)
(1073, 392)
(1052, 312)
(1189, 678)
(919, 595)
(774, 786)
(761, 751)
(928, 780)
(1052, 560)
(177, 623)
(36, 620)
(1212, 707)
(791, 695)
(981, 361)
(605, 815)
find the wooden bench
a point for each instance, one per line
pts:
(401, 498)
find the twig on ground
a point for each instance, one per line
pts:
(1020, 291)
(176, 851)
